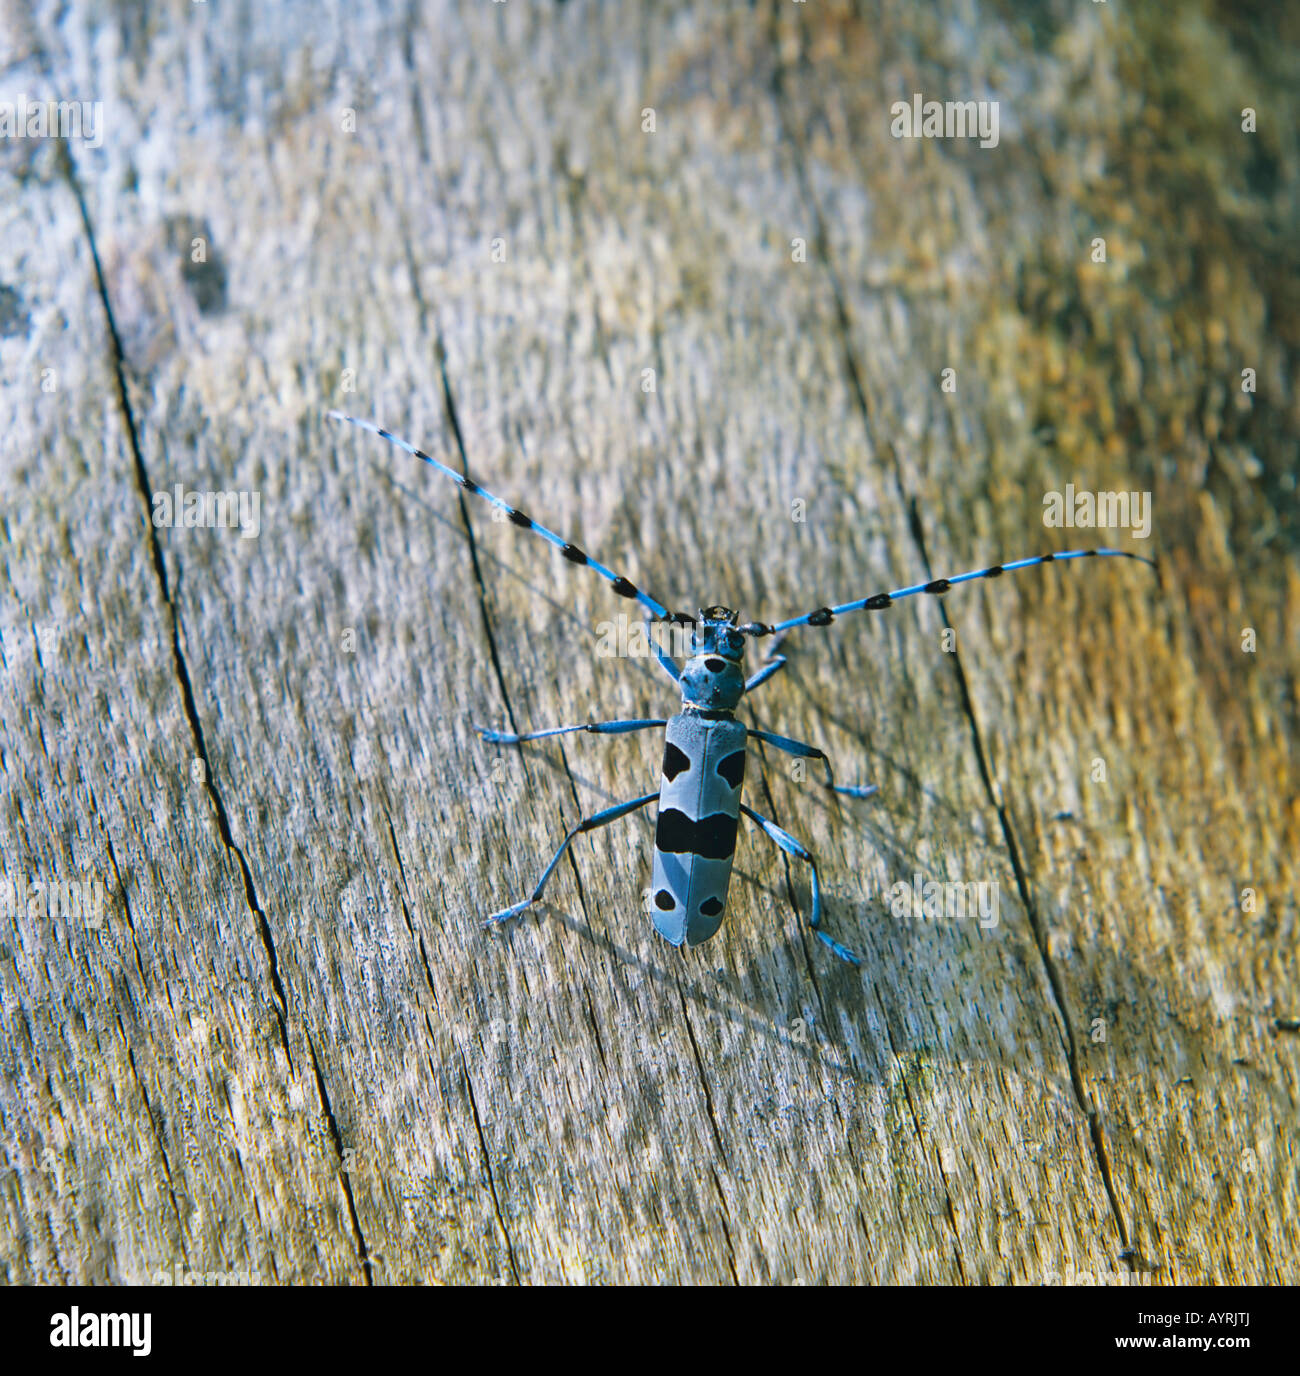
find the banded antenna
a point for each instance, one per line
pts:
(823, 616)
(622, 586)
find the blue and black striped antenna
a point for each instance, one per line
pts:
(622, 586)
(820, 616)
(823, 616)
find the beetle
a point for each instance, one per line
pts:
(705, 747)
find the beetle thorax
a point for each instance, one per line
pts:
(713, 679)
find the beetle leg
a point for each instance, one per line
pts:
(800, 852)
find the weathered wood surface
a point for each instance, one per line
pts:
(289, 1048)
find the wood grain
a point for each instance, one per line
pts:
(288, 1048)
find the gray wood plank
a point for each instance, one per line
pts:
(289, 1047)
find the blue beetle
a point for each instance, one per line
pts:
(705, 746)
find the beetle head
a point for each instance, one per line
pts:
(716, 634)
(712, 678)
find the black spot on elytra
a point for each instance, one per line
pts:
(714, 666)
(733, 768)
(711, 838)
(664, 901)
(711, 907)
(675, 762)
